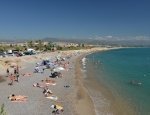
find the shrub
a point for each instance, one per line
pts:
(2, 110)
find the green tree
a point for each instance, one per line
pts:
(59, 48)
(11, 45)
(19, 48)
(1, 48)
(40, 45)
(83, 45)
(30, 44)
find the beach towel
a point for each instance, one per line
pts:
(58, 69)
(53, 97)
(57, 107)
(50, 83)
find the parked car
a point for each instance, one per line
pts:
(10, 54)
(18, 54)
(2, 54)
(29, 53)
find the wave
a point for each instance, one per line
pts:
(84, 62)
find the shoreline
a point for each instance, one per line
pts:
(114, 105)
(83, 97)
(83, 102)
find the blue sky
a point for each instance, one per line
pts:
(73, 18)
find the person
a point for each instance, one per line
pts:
(37, 85)
(7, 71)
(37, 69)
(47, 91)
(17, 77)
(57, 108)
(11, 79)
(15, 71)
(43, 69)
(14, 97)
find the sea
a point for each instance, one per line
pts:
(118, 81)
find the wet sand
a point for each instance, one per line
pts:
(83, 104)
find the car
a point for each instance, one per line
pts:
(18, 54)
(29, 53)
(10, 54)
(2, 54)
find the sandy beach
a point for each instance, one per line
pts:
(74, 99)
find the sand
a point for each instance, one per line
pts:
(74, 99)
(83, 104)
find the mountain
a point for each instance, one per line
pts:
(117, 42)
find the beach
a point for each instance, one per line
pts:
(75, 99)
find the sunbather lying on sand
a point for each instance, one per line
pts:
(48, 81)
(14, 97)
(57, 108)
(38, 85)
(47, 92)
(55, 75)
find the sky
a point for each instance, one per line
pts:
(31, 19)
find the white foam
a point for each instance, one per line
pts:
(84, 62)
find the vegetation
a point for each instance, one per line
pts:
(40, 45)
(30, 44)
(2, 110)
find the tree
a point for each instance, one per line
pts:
(40, 44)
(30, 44)
(1, 48)
(18, 48)
(11, 45)
(50, 46)
(59, 48)
(83, 45)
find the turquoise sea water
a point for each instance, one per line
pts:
(117, 68)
